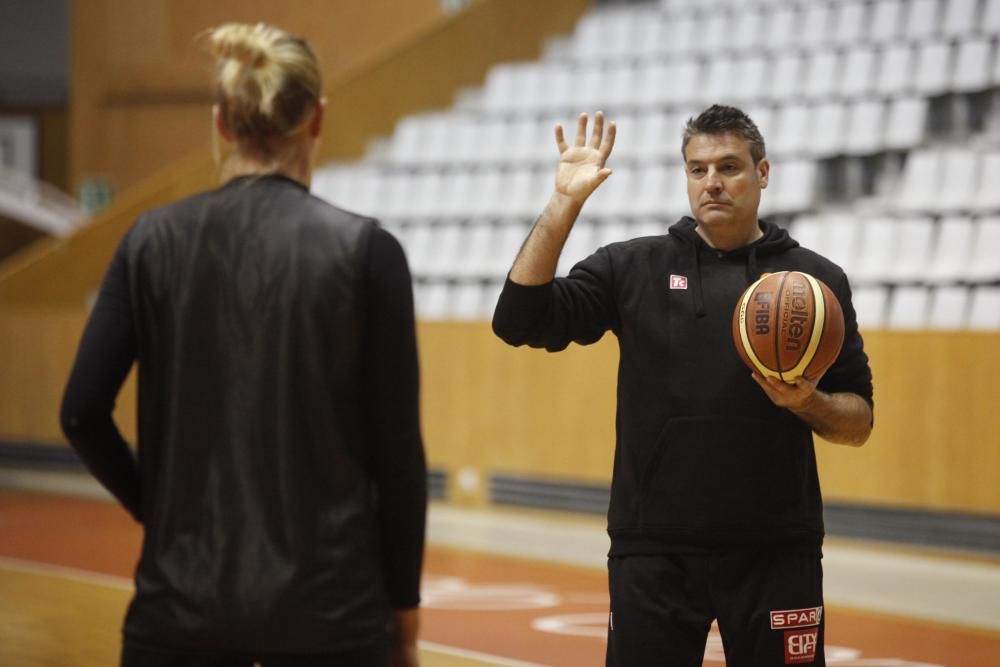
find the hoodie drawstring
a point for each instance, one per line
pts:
(752, 271)
(696, 293)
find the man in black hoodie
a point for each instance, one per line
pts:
(715, 511)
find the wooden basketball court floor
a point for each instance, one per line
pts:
(501, 588)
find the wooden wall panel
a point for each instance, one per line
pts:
(134, 126)
(139, 78)
(486, 406)
(936, 443)
(135, 64)
(36, 358)
(489, 407)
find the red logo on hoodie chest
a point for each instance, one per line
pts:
(678, 282)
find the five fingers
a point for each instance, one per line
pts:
(600, 140)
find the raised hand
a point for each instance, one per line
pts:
(581, 166)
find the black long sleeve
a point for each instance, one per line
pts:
(107, 350)
(392, 389)
(579, 308)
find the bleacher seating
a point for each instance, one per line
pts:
(877, 116)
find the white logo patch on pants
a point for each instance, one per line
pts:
(801, 628)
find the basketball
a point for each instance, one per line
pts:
(787, 325)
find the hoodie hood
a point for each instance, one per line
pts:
(774, 240)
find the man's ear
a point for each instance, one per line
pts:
(220, 123)
(763, 171)
(316, 123)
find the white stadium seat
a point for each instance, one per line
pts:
(748, 31)
(865, 127)
(850, 25)
(960, 171)
(478, 244)
(822, 73)
(949, 307)
(444, 251)
(791, 187)
(793, 130)
(921, 177)
(720, 76)
(922, 19)
(843, 238)
(909, 307)
(870, 305)
(984, 309)
(863, 93)
(752, 74)
(467, 302)
(620, 85)
(651, 37)
(984, 265)
(952, 250)
(682, 35)
(418, 196)
(782, 26)
(809, 230)
(655, 185)
(420, 242)
(961, 17)
(656, 135)
(814, 30)
(877, 250)
(830, 135)
(433, 300)
(714, 33)
(988, 195)
(895, 71)
(857, 75)
(933, 68)
(990, 23)
(786, 77)
(907, 122)
(887, 21)
(913, 241)
(972, 66)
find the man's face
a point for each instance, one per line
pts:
(723, 182)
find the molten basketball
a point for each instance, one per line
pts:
(787, 325)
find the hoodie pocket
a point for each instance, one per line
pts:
(712, 473)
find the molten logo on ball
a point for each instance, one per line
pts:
(788, 325)
(796, 317)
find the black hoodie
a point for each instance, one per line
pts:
(703, 459)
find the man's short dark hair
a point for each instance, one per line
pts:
(720, 119)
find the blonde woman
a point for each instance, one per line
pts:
(280, 478)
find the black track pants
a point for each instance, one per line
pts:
(769, 608)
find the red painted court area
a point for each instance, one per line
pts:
(515, 609)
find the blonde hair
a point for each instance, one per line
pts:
(267, 84)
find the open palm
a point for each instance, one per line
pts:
(581, 166)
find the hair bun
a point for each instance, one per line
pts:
(246, 44)
(268, 81)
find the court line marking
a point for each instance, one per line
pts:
(122, 583)
(475, 655)
(65, 572)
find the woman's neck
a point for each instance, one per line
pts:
(293, 161)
